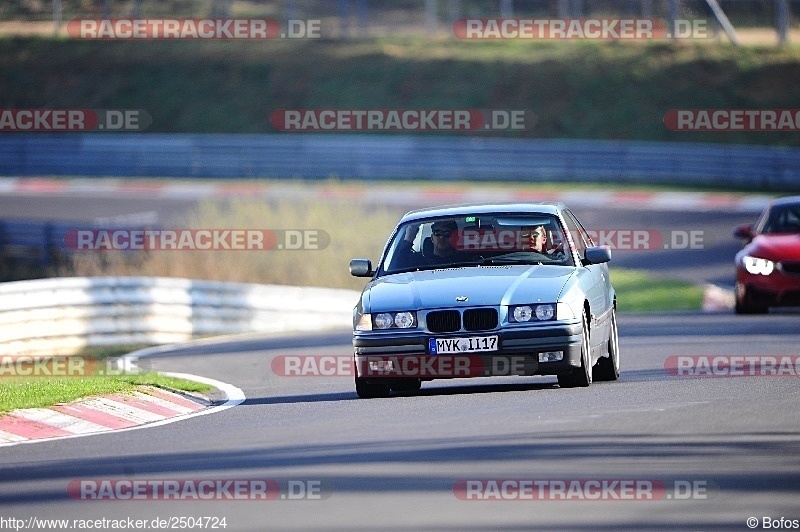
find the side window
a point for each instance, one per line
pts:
(578, 233)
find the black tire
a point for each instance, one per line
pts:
(607, 368)
(406, 385)
(742, 306)
(580, 377)
(366, 390)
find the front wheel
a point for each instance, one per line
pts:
(607, 368)
(580, 377)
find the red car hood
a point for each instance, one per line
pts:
(775, 247)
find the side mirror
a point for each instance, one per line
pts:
(361, 268)
(597, 255)
(743, 231)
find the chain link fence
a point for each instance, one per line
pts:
(369, 18)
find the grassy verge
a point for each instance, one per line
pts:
(346, 230)
(40, 392)
(640, 291)
(43, 392)
(590, 90)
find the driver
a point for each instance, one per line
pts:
(535, 238)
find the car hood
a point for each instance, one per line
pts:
(482, 286)
(775, 247)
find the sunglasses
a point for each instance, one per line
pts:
(445, 234)
(535, 234)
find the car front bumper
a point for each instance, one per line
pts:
(777, 289)
(394, 354)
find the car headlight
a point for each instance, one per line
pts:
(545, 312)
(526, 313)
(404, 320)
(523, 313)
(383, 320)
(394, 320)
(758, 266)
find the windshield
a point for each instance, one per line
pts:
(782, 219)
(477, 240)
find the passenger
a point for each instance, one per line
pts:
(438, 250)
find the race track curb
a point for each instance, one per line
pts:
(97, 414)
(717, 299)
(383, 194)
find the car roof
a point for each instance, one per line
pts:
(543, 207)
(786, 200)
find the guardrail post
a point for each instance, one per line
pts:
(782, 20)
(47, 238)
(431, 16)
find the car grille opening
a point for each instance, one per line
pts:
(791, 298)
(444, 321)
(480, 319)
(792, 267)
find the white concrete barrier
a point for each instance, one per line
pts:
(61, 316)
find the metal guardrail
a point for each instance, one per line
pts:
(61, 316)
(384, 157)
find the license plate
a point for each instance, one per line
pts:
(473, 344)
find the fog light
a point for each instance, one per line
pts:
(551, 356)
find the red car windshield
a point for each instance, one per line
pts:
(782, 219)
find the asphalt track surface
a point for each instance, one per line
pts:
(397, 463)
(393, 463)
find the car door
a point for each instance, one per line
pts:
(593, 280)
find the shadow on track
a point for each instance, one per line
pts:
(424, 392)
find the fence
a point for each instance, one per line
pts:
(385, 157)
(61, 316)
(352, 18)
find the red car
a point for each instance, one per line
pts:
(768, 267)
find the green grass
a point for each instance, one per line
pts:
(40, 392)
(640, 291)
(591, 90)
(21, 392)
